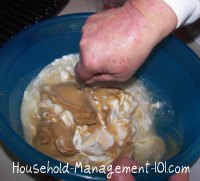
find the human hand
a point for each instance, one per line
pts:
(129, 177)
(116, 42)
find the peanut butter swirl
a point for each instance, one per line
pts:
(89, 106)
(78, 101)
(92, 125)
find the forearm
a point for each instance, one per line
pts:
(187, 11)
(160, 18)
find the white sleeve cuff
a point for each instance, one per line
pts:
(187, 11)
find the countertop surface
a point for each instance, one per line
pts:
(7, 159)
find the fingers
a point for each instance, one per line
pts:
(179, 177)
(100, 77)
(107, 77)
(82, 72)
(90, 76)
(123, 176)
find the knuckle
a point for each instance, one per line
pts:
(85, 60)
(83, 42)
(90, 19)
(87, 24)
(87, 63)
(84, 28)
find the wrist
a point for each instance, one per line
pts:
(186, 11)
(160, 18)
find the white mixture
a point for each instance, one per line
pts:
(127, 129)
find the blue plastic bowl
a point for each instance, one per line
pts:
(172, 67)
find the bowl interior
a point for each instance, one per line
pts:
(172, 73)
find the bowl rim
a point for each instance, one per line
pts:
(13, 141)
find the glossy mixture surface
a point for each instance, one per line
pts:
(92, 124)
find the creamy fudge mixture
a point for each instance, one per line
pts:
(92, 124)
